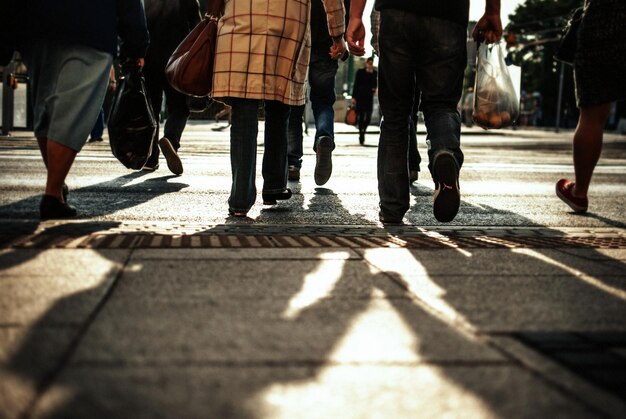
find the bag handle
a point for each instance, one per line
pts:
(215, 10)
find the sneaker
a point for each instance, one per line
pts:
(171, 157)
(294, 173)
(412, 176)
(447, 197)
(564, 191)
(324, 162)
(150, 167)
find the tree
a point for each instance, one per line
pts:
(533, 34)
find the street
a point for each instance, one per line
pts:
(153, 302)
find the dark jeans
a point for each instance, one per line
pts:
(364, 108)
(428, 54)
(177, 109)
(322, 71)
(414, 156)
(243, 150)
(98, 128)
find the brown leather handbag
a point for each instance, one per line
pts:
(190, 68)
(350, 118)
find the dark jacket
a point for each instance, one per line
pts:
(320, 39)
(364, 85)
(169, 21)
(94, 23)
(453, 10)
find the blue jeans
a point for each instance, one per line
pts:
(428, 54)
(243, 150)
(322, 71)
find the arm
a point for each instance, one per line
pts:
(356, 31)
(336, 17)
(132, 29)
(489, 27)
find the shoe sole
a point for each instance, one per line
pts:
(447, 196)
(171, 157)
(324, 162)
(573, 206)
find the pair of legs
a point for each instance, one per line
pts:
(588, 144)
(177, 109)
(322, 71)
(364, 110)
(68, 87)
(428, 55)
(243, 151)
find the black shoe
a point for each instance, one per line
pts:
(361, 138)
(236, 213)
(173, 161)
(52, 208)
(271, 198)
(324, 162)
(447, 195)
(389, 221)
(95, 140)
(294, 173)
(413, 174)
(150, 167)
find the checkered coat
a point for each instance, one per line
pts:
(263, 48)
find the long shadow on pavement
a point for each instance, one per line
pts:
(323, 332)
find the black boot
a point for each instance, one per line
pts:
(52, 208)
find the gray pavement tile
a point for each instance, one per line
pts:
(339, 253)
(37, 286)
(27, 357)
(308, 392)
(179, 330)
(212, 280)
(510, 303)
(492, 261)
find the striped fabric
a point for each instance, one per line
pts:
(263, 48)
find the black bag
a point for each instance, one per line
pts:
(131, 122)
(566, 51)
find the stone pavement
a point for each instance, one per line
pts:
(115, 316)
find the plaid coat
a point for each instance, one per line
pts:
(263, 48)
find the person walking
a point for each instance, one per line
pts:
(169, 21)
(68, 47)
(262, 54)
(599, 68)
(322, 71)
(363, 89)
(414, 156)
(423, 46)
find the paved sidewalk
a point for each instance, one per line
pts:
(150, 305)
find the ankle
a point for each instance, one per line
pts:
(577, 194)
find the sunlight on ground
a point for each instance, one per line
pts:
(317, 284)
(588, 279)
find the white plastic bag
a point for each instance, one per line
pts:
(496, 104)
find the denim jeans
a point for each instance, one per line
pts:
(322, 71)
(429, 54)
(243, 150)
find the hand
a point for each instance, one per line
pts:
(337, 48)
(356, 36)
(488, 28)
